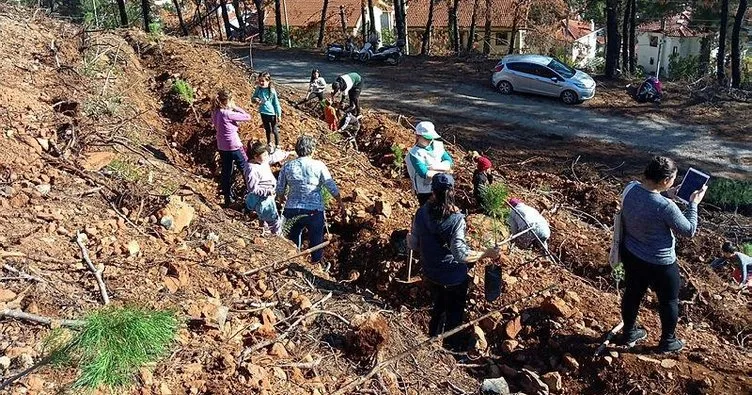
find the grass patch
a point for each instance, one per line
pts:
(113, 344)
(103, 106)
(747, 249)
(729, 193)
(183, 90)
(124, 170)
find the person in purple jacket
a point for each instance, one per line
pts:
(225, 118)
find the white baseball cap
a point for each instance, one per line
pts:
(426, 130)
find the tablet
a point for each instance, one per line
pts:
(693, 181)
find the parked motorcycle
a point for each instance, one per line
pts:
(338, 51)
(390, 54)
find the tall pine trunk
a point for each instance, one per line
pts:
(455, 27)
(123, 13)
(364, 25)
(183, 29)
(736, 56)
(471, 34)
(278, 20)
(371, 17)
(225, 19)
(239, 16)
(632, 37)
(399, 21)
(342, 20)
(260, 18)
(425, 46)
(721, 58)
(323, 23)
(145, 12)
(487, 29)
(625, 34)
(612, 37)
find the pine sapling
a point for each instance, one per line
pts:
(494, 197)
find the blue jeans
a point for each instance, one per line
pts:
(228, 158)
(265, 208)
(310, 220)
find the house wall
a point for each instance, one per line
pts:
(585, 49)
(683, 46)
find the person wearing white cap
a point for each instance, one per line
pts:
(426, 159)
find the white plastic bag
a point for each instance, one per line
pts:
(614, 257)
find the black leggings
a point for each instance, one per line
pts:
(270, 126)
(663, 279)
(449, 303)
(311, 96)
(354, 96)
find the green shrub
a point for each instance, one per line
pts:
(327, 197)
(388, 37)
(494, 197)
(124, 170)
(747, 249)
(724, 192)
(155, 28)
(183, 90)
(685, 68)
(399, 156)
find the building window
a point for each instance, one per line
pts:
(652, 61)
(501, 38)
(675, 50)
(653, 41)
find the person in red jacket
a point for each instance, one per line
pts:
(330, 115)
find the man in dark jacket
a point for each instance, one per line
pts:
(349, 84)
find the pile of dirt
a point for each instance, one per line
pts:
(136, 172)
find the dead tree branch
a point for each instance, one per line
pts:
(80, 238)
(20, 315)
(289, 258)
(23, 275)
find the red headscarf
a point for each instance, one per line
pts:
(483, 163)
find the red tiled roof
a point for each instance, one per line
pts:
(308, 12)
(577, 30)
(676, 26)
(503, 13)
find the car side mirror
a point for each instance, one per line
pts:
(555, 79)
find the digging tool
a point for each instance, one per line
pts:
(540, 242)
(609, 335)
(410, 279)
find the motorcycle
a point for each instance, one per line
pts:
(337, 51)
(390, 54)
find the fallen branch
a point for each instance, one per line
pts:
(97, 272)
(11, 254)
(376, 369)
(570, 208)
(20, 315)
(609, 335)
(23, 275)
(289, 258)
(573, 172)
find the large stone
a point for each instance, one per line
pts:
(513, 327)
(532, 384)
(557, 306)
(177, 214)
(95, 161)
(497, 386)
(553, 381)
(6, 295)
(382, 208)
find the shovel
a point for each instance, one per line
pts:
(409, 279)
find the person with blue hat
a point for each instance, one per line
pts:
(426, 159)
(438, 236)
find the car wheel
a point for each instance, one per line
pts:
(364, 56)
(569, 97)
(504, 87)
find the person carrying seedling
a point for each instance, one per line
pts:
(271, 111)
(349, 84)
(262, 185)
(225, 118)
(438, 236)
(523, 217)
(743, 264)
(426, 159)
(316, 88)
(330, 115)
(482, 177)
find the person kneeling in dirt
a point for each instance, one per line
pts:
(523, 217)
(225, 118)
(304, 178)
(262, 185)
(648, 250)
(482, 177)
(743, 264)
(316, 88)
(438, 235)
(349, 123)
(426, 159)
(349, 84)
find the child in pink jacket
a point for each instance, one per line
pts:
(225, 118)
(261, 184)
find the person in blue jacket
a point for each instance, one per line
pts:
(265, 96)
(438, 235)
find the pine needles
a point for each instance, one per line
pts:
(113, 344)
(494, 197)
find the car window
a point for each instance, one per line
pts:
(544, 72)
(563, 70)
(521, 67)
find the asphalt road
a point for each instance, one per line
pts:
(457, 102)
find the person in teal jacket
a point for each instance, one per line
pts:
(271, 111)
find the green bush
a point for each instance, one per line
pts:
(327, 197)
(399, 156)
(108, 15)
(684, 68)
(747, 249)
(183, 90)
(388, 37)
(494, 197)
(729, 193)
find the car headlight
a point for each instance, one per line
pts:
(580, 85)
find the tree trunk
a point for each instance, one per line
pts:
(612, 37)
(471, 33)
(455, 27)
(323, 23)
(219, 25)
(260, 13)
(371, 17)
(398, 21)
(364, 23)
(145, 12)
(123, 13)
(721, 58)
(487, 29)
(736, 55)
(705, 47)
(278, 20)
(632, 37)
(625, 34)
(425, 47)
(225, 18)
(342, 20)
(239, 16)
(180, 17)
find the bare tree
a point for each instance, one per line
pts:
(123, 13)
(342, 20)
(278, 20)
(471, 33)
(487, 29)
(455, 27)
(183, 28)
(520, 8)
(625, 33)
(145, 12)
(239, 16)
(260, 14)
(721, 59)
(371, 17)
(225, 18)
(399, 19)
(632, 41)
(323, 23)
(612, 37)
(736, 69)
(425, 46)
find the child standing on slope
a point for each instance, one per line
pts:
(271, 111)
(225, 118)
(262, 184)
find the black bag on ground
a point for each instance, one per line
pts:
(492, 282)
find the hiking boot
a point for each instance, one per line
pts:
(670, 345)
(629, 339)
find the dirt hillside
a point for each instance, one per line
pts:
(95, 141)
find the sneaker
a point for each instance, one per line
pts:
(670, 345)
(629, 339)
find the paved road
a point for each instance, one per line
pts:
(462, 102)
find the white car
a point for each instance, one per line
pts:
(542, 75)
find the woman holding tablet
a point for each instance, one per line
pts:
(648, 250)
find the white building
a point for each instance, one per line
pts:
(581, 40)
(657, 41)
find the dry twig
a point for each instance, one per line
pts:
(23, 275)
(80, 238)
(20, 315)
(289, 258)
